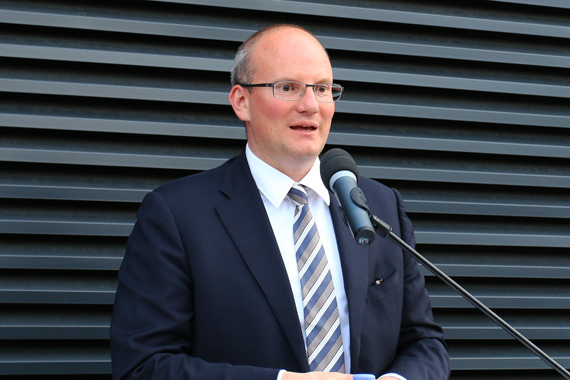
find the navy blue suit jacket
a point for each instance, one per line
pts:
(203, 292)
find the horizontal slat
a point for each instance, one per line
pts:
(64, 331)
(491, 239)
(491, 24)
(502, 302)
(55, 366)
(58, 332)
(447, 113)
(436, 111)
(199, 163)
(543, 3)
(340, 74)
(238, 35)
(453, 270)
(544, 374)
(122, 25)
(123, 126)
(114, 57)
(391, 16)
(106, 297)
(64, 253)
(45, 358)
(238, 132)
(108, 159)
(23, 287)
(479, 208)
(74, 366)
(56, 227)
(455, 83)
(113, 91)
(458, 176)
(59, 262)
(465, 325)
(71, 296)
(71, 193)
(501, 271)
(101, 366)
(497, 333)
(68, 364)
(446, 52)
(25, 322)
(412, 205)
(504, 363)
(21, 322)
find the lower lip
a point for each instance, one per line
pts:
(303, 130)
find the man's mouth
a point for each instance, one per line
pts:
(303, 128)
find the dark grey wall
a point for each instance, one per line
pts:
(461, 105)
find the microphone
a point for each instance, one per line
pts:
(340, 175)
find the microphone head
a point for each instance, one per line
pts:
(334, 161)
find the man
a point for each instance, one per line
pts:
(211, 286)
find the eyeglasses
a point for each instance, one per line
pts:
(291, 90)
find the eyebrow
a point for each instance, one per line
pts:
(295, 80)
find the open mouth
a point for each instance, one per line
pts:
(303, 128)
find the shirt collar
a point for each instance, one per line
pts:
(275, 185)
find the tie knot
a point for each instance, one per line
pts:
(298, 195)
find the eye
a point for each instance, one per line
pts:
(286, 86)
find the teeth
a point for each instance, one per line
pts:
(303, 128)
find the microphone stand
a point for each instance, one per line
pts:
(385, 231)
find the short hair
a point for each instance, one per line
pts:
(242, 71)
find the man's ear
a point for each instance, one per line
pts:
(239, 100)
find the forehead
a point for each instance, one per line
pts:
(289, 52)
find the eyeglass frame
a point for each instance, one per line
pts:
(293, 81)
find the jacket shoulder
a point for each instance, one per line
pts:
(193, 185)
(376, 189)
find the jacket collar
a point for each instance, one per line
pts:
(245, 219)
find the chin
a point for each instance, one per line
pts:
(308, 154)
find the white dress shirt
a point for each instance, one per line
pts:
(273, 186)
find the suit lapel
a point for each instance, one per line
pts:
(246, 221)
(354, 262)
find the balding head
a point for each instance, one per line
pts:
(243, 69)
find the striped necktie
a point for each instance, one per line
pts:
(322, 325)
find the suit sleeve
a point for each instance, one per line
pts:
(422, 353)
(152, 326)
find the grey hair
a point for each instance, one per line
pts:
(242, 71)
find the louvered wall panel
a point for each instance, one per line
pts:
(462, 106)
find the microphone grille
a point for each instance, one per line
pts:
(334, 161)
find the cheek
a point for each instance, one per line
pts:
(327, 115)
(270, 109)
(328, 112)
(277, 113)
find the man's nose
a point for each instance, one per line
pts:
(308, 101)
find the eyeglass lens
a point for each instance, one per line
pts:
(290, 90)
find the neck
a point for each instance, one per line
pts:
(296, 169)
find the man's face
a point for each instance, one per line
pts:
(280, 132)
